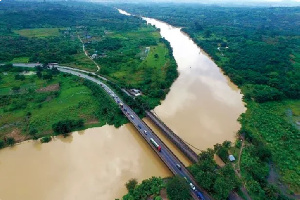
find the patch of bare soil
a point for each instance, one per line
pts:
(163, 194)
(16, 134)
(49, 88)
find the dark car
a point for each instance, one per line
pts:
(199, 195)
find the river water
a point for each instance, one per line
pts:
(202, 107)
(91, 164)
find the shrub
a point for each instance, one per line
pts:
(66, 126)
(130, 185)
(10, 141)
(2, 144)
(46, 139)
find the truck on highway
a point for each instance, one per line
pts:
(155, 144)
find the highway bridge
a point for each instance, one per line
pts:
(188, 152)
(165, 154)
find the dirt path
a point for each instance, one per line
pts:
(238, 171)
(86, 53)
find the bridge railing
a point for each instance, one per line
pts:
(188, 152)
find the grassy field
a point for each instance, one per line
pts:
(36, 103)
(81, 61)
(39, 32)
(20, 60)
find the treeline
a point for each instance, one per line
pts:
(64, 127)
(176, 188)
(148, 187)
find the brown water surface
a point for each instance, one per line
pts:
(91, 164)
(202, 106)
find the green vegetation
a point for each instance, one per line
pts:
(150, 187)
(218, 182)
(130, 185)
(39, 32)
(178, 189)
(46, 139)
(259, 51)
(269, 123)
(31, 106)
(108, 110)
(66, 126)
(129, 52)
(20, 60)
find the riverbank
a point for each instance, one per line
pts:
(32, 104)
(252, 62)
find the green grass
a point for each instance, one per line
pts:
(82, 62)
(38, 32)
(162, 59)
(20, 60)
(73, 101)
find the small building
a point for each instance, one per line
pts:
(94, 56)
(135, 92)
(231, 158)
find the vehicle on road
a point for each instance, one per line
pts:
(145, 132)
(131, 116)
(155, 144)
(192, 186)
(199, 195)
(178, 166)
(140, 127)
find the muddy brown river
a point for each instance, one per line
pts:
(202, 108)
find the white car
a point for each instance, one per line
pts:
(192, 186)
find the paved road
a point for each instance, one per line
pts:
(172, 162)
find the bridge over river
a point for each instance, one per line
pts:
(164, 153)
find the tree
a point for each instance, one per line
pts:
(130, 185)
(10, 141)
(19, 77)
(2, 143)
(221, 189)
(178, 189)
(33, 132)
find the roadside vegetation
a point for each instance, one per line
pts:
(259, 51)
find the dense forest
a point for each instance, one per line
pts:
(259, 49)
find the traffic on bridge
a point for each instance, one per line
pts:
(165, 154)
